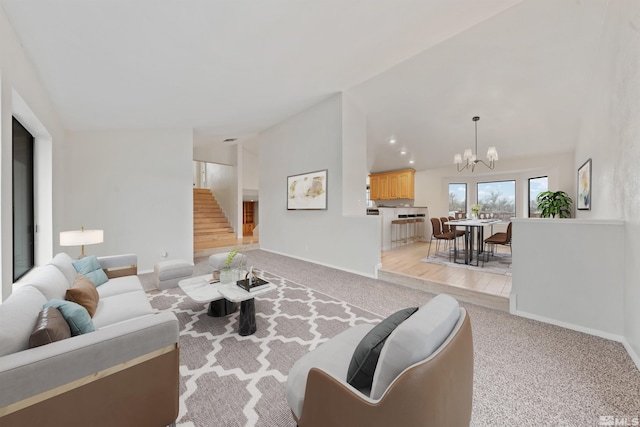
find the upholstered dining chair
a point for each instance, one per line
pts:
(459, 233)
(500, 238)
(438, 234)
(422, 377)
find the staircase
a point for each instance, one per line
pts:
(210, 226)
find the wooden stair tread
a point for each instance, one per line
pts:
(209, 222)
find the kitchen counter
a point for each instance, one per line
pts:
(388, 214)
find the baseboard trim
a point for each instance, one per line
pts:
(360, 273)
(635, 357)
(572, 326)
(632, 353)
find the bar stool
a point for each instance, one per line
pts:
(411, 228)
(398, 227)
(420, 227)
(406, 227)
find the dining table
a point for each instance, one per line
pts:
(470, 225)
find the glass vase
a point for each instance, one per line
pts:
(226, 275)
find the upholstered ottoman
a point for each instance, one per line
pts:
(168, 273)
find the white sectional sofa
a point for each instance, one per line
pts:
(125, 373)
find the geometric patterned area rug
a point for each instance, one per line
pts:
(231, 380)
(498, 263)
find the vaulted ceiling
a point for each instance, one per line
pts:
(419, 69)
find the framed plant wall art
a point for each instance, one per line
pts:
(584, 186)
(307, 191)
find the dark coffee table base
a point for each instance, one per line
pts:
(221, 308)
(247, 321)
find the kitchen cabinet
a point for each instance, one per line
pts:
(392, 185)
(406, 181)
(384, 187)
(374, 187)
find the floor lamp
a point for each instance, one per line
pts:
(80, 238)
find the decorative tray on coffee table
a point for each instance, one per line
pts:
(257, 284)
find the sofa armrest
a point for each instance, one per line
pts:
(36, 374)
(119, 265)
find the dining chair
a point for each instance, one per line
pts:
(438, 233)
(500, 238)
(459, 233)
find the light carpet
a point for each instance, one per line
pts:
(498, 263)
(230, 380)
(526, 373)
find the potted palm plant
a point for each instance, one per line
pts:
(554, 203)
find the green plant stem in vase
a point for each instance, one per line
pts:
(475, 210)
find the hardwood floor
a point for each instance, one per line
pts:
(224, 245)
(402, 265)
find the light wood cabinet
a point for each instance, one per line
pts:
(384, 187)
(374, 187)
(392, 185)
(406, 180)
(247, 218)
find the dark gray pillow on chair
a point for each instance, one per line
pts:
(365, 357)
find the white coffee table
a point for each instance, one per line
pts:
(223, 299)
(201, 290)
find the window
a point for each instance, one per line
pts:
(457, 198)
(498, 199)
(23, 206)
(536, 186)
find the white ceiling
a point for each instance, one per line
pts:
(234, 68)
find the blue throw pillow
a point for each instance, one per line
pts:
(365, 357)
(76, 316)
(90, 267)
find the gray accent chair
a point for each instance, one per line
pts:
(424, 375)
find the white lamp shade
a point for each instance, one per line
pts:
(457, 159)
(473, 158)
(492, 153)
(467, 154)
(81, 237)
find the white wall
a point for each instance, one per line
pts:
(136, 185)
(569, 272)
(223, 183)
(209, 149)
(311, 141)
(250, 170)
(22, 94)
(610, 136)
(354, 157)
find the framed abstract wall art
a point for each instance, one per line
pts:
(584, 186)
(307, 191)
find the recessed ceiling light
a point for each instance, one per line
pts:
(403, 151)
(411, 161)
(392, 140)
